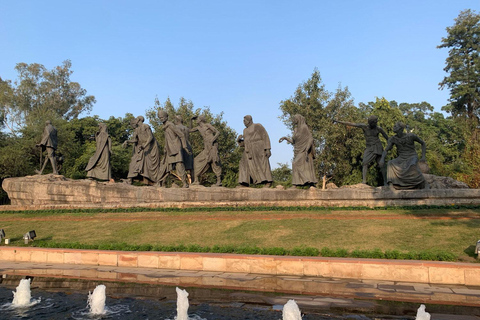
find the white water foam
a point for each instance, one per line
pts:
(96, 300)
(291, 311)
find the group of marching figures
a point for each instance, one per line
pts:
(148, 165)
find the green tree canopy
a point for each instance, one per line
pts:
(40, 94)
(463, 65)
(338, 151)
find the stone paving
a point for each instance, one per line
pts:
(315, 293)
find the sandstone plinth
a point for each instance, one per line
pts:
(54, 191)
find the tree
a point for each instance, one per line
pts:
(338, 150)
(463, 80)
(40, 94)
(463, 65)
(282, 175)
(228, 150)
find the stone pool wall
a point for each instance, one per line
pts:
(345, 268)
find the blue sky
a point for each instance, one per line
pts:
(239, 57)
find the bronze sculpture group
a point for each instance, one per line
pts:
(148, 165)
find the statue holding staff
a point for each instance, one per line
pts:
(49, 142)
(175, 142)
(188, 160)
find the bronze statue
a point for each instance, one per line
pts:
(49, 142)
(403, 172)
(99, 166)
(173, 157)
(209, 155)
(303, 169)
(145, 160)
(187, 156)
(255, 167)
(374, 148)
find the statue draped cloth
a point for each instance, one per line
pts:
(255, 165)
(146, 156)
(173, 152)
(99, 166)
(303, 169)
(403, 172)
(187, 158)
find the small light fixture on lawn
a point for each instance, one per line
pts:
(477, 247)
(30, 235)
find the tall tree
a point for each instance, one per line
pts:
(338, 151)
(463, 65)
(40, 94)
(463, 80)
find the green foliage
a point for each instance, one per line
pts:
(338, 151)
(40, 94)
(228, 150)
(463, 65)
(277, 251)
(282, 175)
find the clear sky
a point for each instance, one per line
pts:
(239, 57)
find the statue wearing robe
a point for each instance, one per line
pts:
(256, 168)
(99, 166)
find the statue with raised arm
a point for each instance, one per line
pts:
(403, 172)
(303, 169)
(187, 156)
(49, 142)
(175, 142)
(99, 166)
(255, 169)
(145, 160)
(208, 158)
(374, 148)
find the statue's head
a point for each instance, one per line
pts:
(178, 119)
(247, 120)
(102, 127)
(162, 115)
(48, 122)
(372, 121)
(298, 119)
(134, 122)
(399, 127)
(201, 118)
(140, 119)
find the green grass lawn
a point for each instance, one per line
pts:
(444, 230)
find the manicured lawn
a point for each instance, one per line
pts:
(447, 230)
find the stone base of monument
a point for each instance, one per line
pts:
(55, 192)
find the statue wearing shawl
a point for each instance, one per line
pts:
(255, 167)
(99, 166)
(303, 169)
(145, 160)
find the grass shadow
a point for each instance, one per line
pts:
(470, 251)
